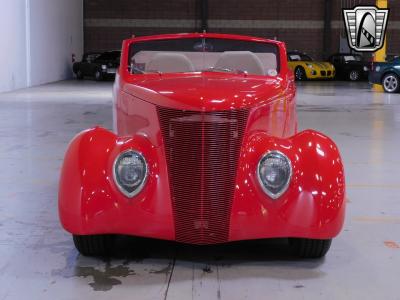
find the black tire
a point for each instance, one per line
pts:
(310, 248)
(354, 75)
(79, 75)
(391, 83)
(94, 245)
(300, 74)
(98, 75)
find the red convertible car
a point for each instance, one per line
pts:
(204, 150)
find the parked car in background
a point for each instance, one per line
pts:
(387, 74)
(350, 66)
(97, 65)
(304, 67)
(205, 150)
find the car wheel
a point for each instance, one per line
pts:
(391, 83)
(354, 75)
(94, 245)
(309, 248)
(300, 74)
(98, 76)
(79, 75)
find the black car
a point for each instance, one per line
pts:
(350, 66)
(387, 74)
(97, 65)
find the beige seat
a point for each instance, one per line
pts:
(241, 60)
(169, 63)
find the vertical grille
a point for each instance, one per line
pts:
(202, 152)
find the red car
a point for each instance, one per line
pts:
(205, 150)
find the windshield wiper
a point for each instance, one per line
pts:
(227, 70)
(216, 69)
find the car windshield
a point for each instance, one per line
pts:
(299, 57)
(204, 54)
(352, 58)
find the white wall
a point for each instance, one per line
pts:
(56, 31)
(37, 39)
(12, 45)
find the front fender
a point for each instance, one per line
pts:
(312, 207)
(89, 200)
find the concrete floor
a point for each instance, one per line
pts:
(38, 259)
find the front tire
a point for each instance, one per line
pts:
(354, 75)
(391, 83)
(98, 76)
(300, 74)
(309, 248)
(94, 245)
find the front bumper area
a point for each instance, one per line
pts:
(320, 73)
(312, 207)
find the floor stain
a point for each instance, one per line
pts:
(298, 286)
(104, 280)
(105, 276)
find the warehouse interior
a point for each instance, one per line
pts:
(43, 106)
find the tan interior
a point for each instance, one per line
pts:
(174, 61)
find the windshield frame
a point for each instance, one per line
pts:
(124, 67)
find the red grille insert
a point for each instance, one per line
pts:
(202, 151)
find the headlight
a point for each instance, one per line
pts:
(274, 173)
(104, 67)
(365, 68)
(310, 66)
(377, 68)
(130, 172)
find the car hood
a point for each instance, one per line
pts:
(358, 63)
(206, 91)
(321, 64)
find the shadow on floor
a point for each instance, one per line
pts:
(126, 247)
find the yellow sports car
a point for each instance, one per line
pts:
(305, 68)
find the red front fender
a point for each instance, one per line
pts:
(312, 207)
(90, 202)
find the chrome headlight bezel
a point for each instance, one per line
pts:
(286, 185)
(117, 182)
